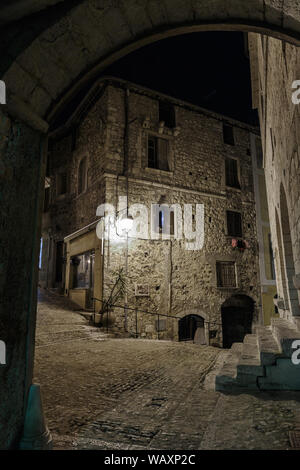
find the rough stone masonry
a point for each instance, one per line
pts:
(177, 282)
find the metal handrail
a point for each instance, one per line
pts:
(133, 309)
(136, 310)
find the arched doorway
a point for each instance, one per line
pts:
(237, 317)
(289, 267)
(188, 326)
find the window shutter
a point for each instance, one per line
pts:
(163, 154)
(152, 152)
(231, 169)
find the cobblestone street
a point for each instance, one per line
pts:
(106, 393)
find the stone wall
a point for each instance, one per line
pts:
(180, 281)
(278, 66)
(21, 177)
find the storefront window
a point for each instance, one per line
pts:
(83, 270)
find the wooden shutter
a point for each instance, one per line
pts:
(163, 146)
(234, 224)
(231, 169)
(152, 152)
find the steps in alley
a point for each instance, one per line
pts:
(263, 361)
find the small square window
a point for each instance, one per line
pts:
(226, 276)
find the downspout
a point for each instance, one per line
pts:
(125, 173)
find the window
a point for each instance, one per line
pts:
(158, 153)
(82, 176)
(83, 270)
(61, 183)
(226, 276)
(161, 222)
(163, 219)
(228, 136)
(231, 173)
(167, 114)
(234, 224)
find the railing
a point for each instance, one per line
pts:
(137, 310)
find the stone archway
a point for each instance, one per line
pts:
(78, 42)
(288, 265)
(190, 326)
(237, 317)
(76, 45)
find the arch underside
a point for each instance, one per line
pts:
(81, 42)
(188, 325)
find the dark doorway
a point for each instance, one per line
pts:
(187, 327)
(237, 317)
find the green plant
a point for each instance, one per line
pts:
(117, 291)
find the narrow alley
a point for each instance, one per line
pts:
(105, 393)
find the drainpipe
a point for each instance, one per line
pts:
(125, 173)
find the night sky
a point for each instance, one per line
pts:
(208, 69)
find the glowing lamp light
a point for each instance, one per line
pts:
(125, 224)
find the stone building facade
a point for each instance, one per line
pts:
(275, 67)
(268, 359)
(127, 141)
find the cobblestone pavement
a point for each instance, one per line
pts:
(106, 393)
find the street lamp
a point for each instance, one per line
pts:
(124, 225)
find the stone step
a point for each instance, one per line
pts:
(269, 348)
(262, 361)
(283, 376)
(250, 349)
(249, 366)
(236, 349)
(231, 361)
(226, 379)
(286, 333)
